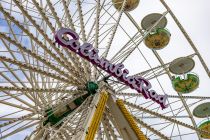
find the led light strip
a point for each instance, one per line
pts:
(97, 116)
(130, 120)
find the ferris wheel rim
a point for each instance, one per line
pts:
(62, 75)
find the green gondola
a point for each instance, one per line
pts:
(186, 85)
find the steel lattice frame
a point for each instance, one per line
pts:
(36, 73)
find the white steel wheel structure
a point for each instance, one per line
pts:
(48, 92)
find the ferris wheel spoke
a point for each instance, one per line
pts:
(95, 22)
(38, 28)
(120, 54)
(60, 102)
(169, 96)
(103, 13)
(124, 53)
(26, 126)
(37, 41)
(148, 76)
(54, 13)
(68, 15)
(141, 114)
(162, 63)
(91, 29)
(49, 92)
(162, 127)
(79, 8)
(181, 109)
(96, 40)
(121, 86)
(96, 36)
(11, 119)
(86, 65)
(13, 73)
(46, 19)
(114, 30)
(109, 127)
(38, 70)
(16, 106)
(83, 65)
(74, 120)
(183, 134)
(100, 133)
(30, 96)
(151, 129)
(14, 120)
(14, 57)
(178, 135)
(176, 110)
(73, 57)
(102, 35)
(47, 63)
(92, 10)
(176, 115)
(111, 121)
(15, 96)
(143, 35)
(167, 118)
(25, 89)
(98, 11)
(31, 93)
(187, 37)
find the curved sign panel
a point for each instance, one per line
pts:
(88, 52)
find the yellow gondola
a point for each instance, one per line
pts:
(130, 4)
(157, 39)
(206, 127)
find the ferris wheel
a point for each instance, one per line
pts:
(99, 69)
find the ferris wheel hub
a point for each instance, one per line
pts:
(91, 87)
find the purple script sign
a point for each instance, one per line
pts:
(89, 53)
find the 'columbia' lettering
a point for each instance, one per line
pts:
(89, 53)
